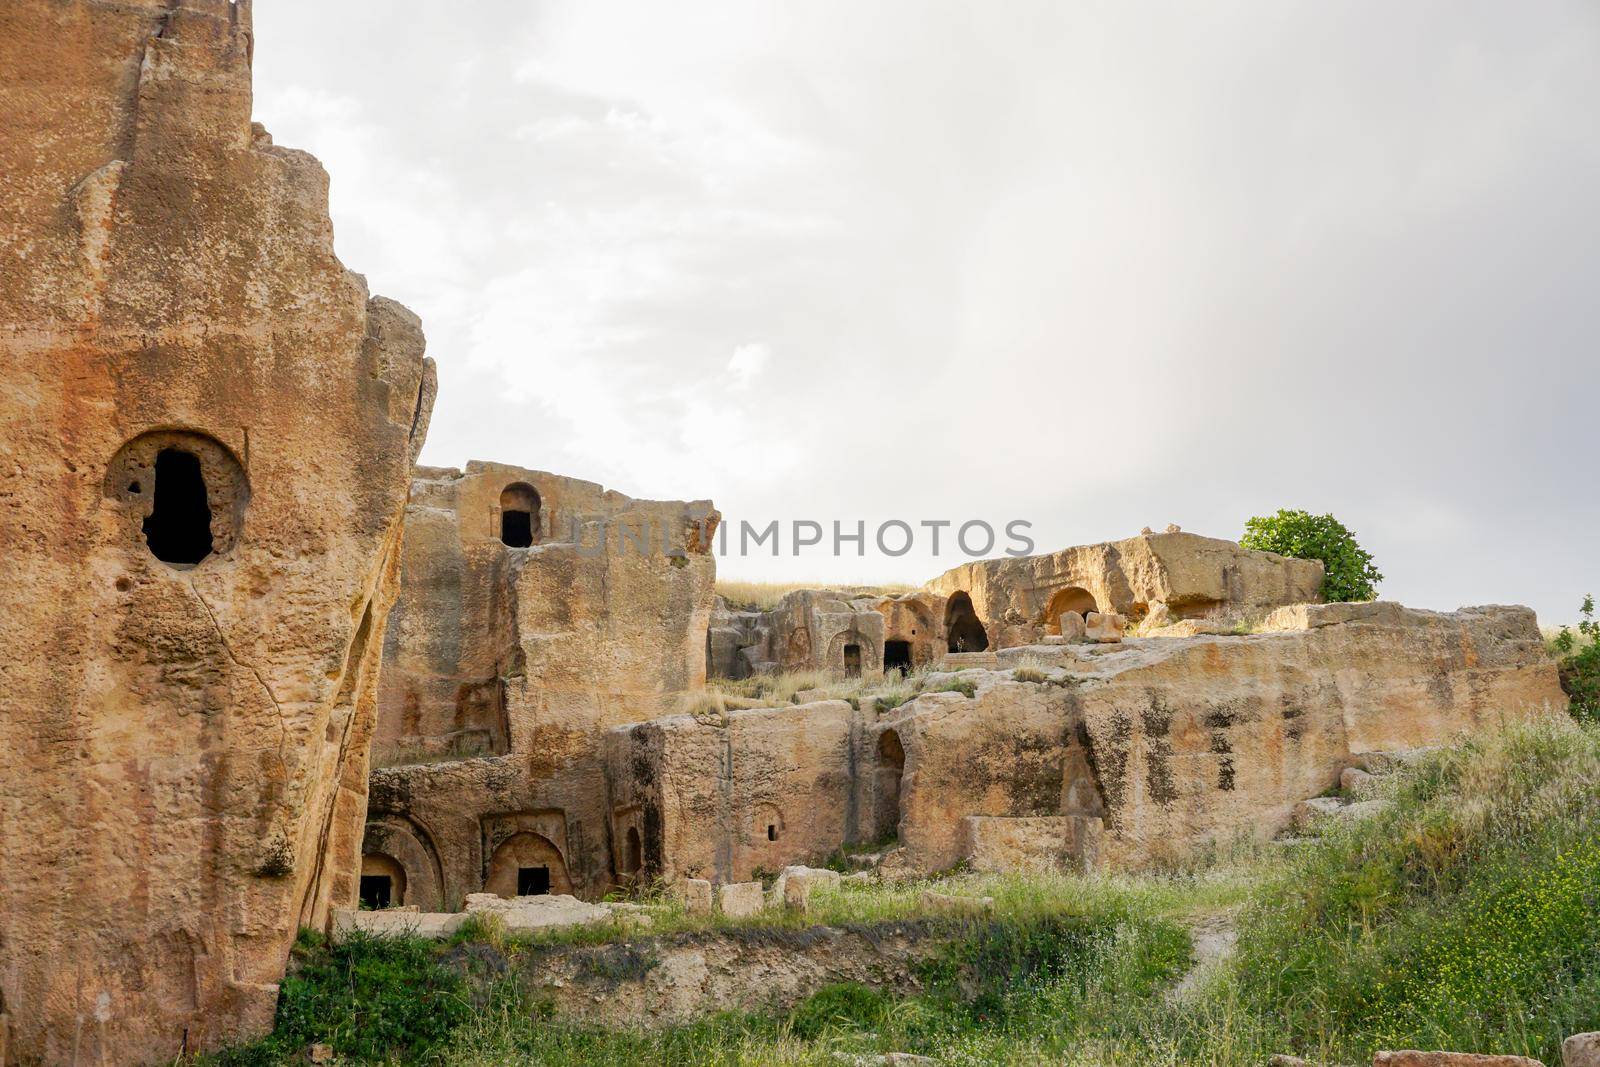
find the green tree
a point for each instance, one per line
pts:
(1580, 664)
(1348, 574)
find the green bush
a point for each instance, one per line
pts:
(841, 1006)
(1580, 664)
(1348, 574)
(371, 999)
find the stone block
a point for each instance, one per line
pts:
(739, 900)
(1103, 628)
(546, 912)
(795, 885)
(1072, 626)
(1581, 1050)
(1355, 782)
(696, 894)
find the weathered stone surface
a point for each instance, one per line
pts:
(697, 899)
(518, 915)
(1449, 1059)
(1071, 626)
(1103, 628)
(1178, 742)
(1581, 1050)
(795, 884)
(191, 374)
(740, 900)
(1019, 601)
(434, 925)
(547, 912)
(506, 663)
(1355, 782)
(1037, 843)
(1308, 813)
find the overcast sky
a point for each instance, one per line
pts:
(1095, 266)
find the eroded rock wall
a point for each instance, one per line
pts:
(1130, 754)
(206, 435)
(1183, 741)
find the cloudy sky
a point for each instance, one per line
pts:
(1096, 266)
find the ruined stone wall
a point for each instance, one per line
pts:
(752, 792)
(1019, 600)
(190, 372)
(504, 665)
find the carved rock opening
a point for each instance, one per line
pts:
(187, 492)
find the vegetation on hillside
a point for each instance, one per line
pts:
(1466, 917)
(1349, 573)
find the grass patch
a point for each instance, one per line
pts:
(372, 999)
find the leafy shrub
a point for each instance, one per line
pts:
(1580, 664)
(842, 1006)
(1348, 570)
(372, 999)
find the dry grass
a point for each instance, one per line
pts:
(764, 596)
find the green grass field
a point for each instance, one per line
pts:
(1466, 917)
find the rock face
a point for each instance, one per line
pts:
(1125, 755)
(537, 611)
(1019, 601)
(206, 436)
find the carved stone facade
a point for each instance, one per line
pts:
(537, 612)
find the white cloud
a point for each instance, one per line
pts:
(747, 363)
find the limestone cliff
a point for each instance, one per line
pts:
(206, 435)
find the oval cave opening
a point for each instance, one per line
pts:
(178, 528)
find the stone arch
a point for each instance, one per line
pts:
(514, 869)
(964, 631)
(1072, 598)
(408, 844)
(521, 524)
(888, 776)
(184, 495)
